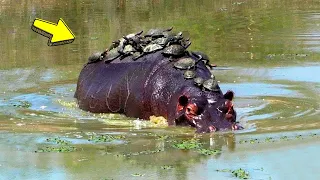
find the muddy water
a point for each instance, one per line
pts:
(266, 51)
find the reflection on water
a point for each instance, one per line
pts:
(267, 53)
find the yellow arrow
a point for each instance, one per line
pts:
(58, 34)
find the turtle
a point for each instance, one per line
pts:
(112, 54)
(174, 50)
(198, 81)
(211, 85)
(127, 51)
(133, 36)
(160, 41)
(95, 57)
(189, 74)
(134, 40)
(156, 33)
(184, 63)
(152, 48)
(169, 39)
(205, 58)
(114, 44)
(201, 54)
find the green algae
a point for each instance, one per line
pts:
(58, 141)
(166, 167)
(137, 175)
(208, 152)
(197, 146)
(238, 173)
(64, 146)
(23, 104)
(56, 149)
(188, 144)
(105, 138)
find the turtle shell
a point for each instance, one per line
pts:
(95, 57)
(130, 36)
(128, 48)
(174, 50)
(161, 41)
(112, 54)
(198, 81)
(184, 63)
(189, 74)
(152, 47)
(203, 56)
(211, 85)
(157, 32)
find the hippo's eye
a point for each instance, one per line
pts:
(192, 108)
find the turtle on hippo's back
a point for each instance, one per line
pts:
(155, 74)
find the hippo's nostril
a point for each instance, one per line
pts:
(229, 116)
(212, 129)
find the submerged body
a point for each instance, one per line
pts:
(151, 85)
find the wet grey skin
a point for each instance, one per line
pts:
(189, 74)
(211, 85)
(184, 63)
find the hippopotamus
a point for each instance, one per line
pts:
(178, 86)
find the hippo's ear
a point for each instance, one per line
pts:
(229, 95)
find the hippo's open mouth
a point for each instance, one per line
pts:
(195, 122)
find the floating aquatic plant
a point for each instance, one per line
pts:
(209, 152)
(188, 144)
(23, 104)
(58, 141)
(239, 173)
(166, 167)
(65, 146)
(105, 138)
(57, 149)
(137, 175)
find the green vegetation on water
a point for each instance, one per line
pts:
(58, 141)
(166, 167)
(188, 144)
(105, 138)
(238, 173)
(64, 146)
(22, 104)
(57, 149)
(196, 145)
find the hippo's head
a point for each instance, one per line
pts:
(207, 111)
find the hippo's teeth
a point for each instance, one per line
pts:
(194, 122)
(211, 101)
